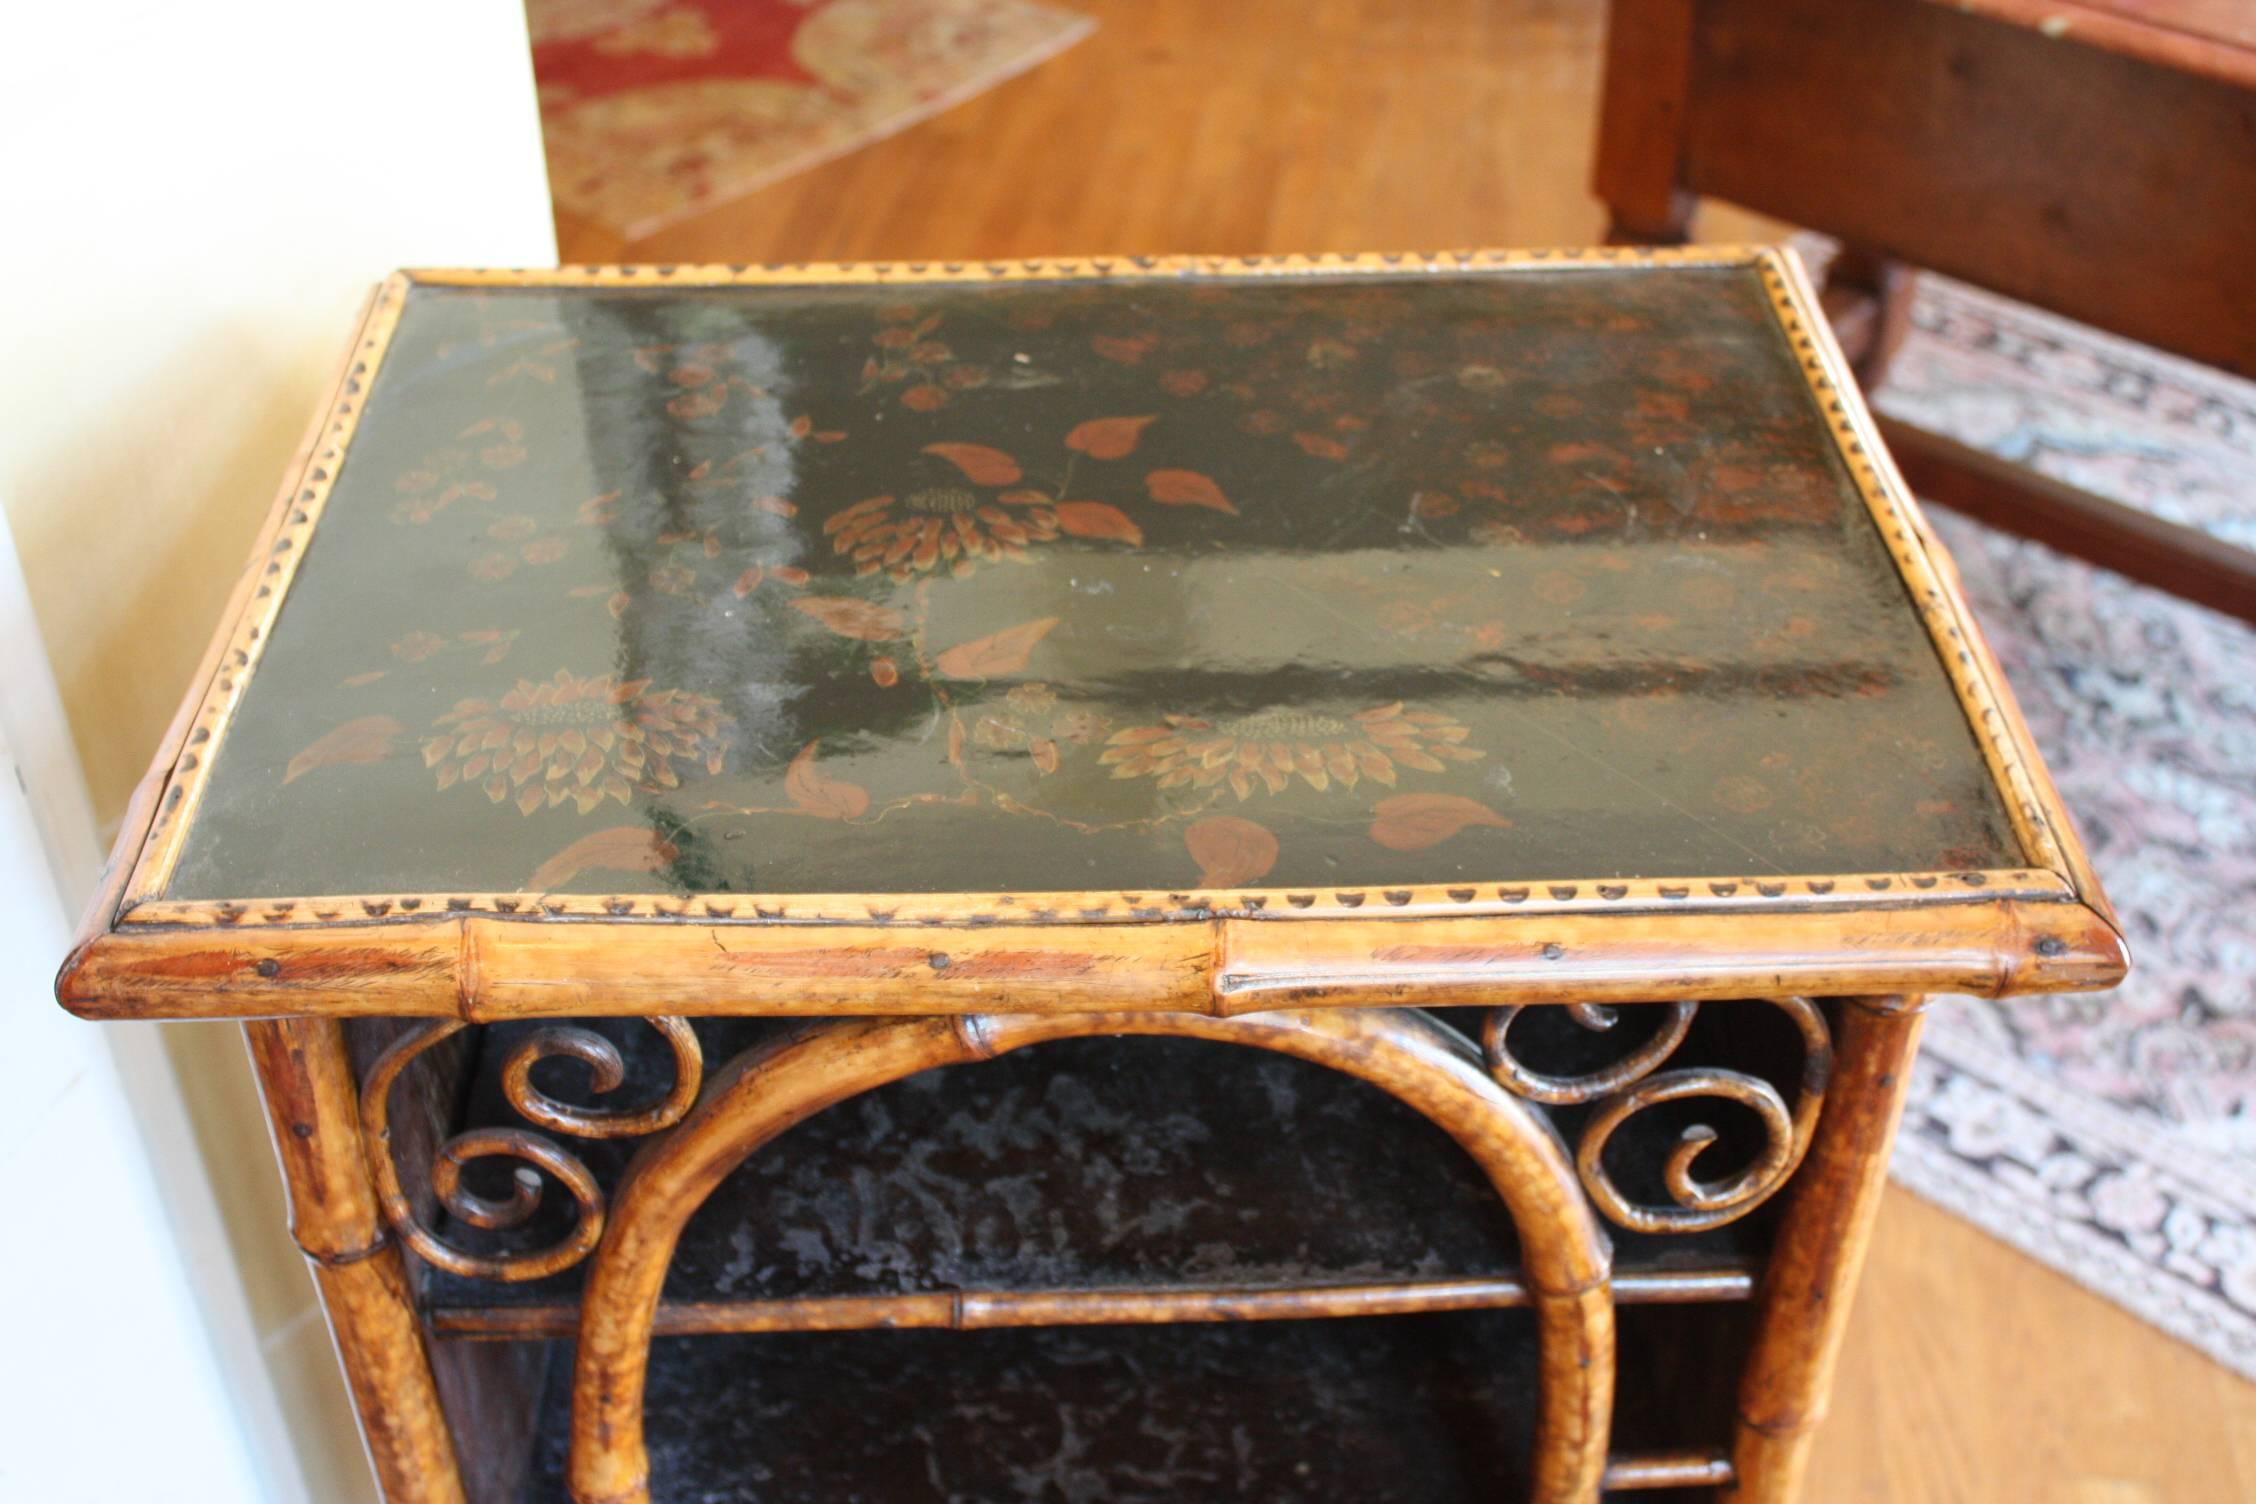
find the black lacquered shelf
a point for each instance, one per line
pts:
(1410, 1410)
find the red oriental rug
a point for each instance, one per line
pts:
(655, 110)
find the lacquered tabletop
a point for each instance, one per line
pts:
(1019, 586)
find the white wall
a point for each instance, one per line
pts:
(104, 1327)
(197, 197)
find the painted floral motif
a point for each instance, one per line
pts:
(1032, 719)
(952, 525)
(1275, 745)
(507, 344)
(958, 525)
(459, 470)
(1499, 440)
(576, 740)
(1252, 515)
(491, 644)
(910, 354)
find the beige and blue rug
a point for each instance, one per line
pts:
(2112, 1136)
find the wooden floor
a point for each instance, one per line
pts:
(1973, 1375)
(1218, 125)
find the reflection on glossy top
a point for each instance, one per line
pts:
(1019, 587)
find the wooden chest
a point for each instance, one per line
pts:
(1509, 692)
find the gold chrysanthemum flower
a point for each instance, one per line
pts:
(575, 739)
(1272, 747)
(952, 525)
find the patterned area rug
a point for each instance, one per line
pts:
(2112, 1136)
(657, 109)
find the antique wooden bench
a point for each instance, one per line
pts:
(2090, 156)
(1508, 695)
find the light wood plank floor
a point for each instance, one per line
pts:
(1973, 1375)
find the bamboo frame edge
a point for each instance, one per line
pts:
(131, 901)
(2031, 800)
(659, 275)
(482, 969)
(1721, 894)
(278, 550)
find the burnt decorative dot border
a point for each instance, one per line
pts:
(1072, 268)
(1996, 724)
(274, 564)
(2052, 877)
(1716, 895)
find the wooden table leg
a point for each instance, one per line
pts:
(2171, 556)
(312, 1111)
(1868, 299)
(1810, 1282)
(1641, 124)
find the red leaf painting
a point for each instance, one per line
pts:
(1107, 438)
(1003, 652)
(864, 620)
(363, 739)
(1231, 851)
(1093, 519)
(980, 464)
(1186, 488)
(1412, 822)
(1127, 349)
(621, 848)
(818, 793)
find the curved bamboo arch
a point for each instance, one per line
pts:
(1403, 1052)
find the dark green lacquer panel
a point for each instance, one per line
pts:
(1019, 587)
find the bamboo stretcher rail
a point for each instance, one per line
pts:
(1628, 1472)
(986, 1310)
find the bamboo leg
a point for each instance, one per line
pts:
(1807, 1290)
(312, 1112)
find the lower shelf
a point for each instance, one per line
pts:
(1412, 1410)
(1294, 1413)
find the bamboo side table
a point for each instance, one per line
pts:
(1508, 695)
